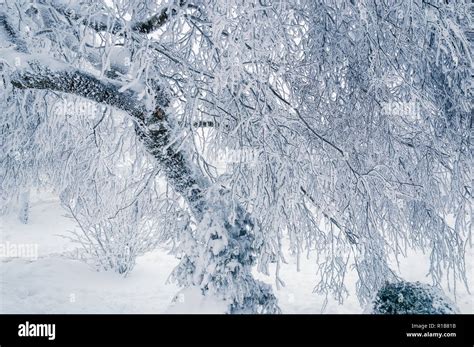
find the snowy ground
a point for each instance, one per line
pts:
(53, 282)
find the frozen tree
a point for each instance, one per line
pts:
(350, 123)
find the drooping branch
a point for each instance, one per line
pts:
(351, 237)
(155, 127)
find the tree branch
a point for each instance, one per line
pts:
(11, 34)
(158, 20)
(101, 22)
(153, 127)
(81, 83)
(349, 234)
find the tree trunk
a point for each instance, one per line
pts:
(24, 202)
(223, 247)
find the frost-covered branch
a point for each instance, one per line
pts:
(153, 127)
(67, 79)
(156, 21)
(8, 32)
(102, 21)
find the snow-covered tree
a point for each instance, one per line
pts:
(411, 298)
(351, 123)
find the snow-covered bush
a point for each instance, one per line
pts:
(113, 243)
(218, 255)
(119, 219)
(412, 298)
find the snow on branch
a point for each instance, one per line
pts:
(66, 79)
(156, 134)
(103, 22)
(158, 20)
(10, 34)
